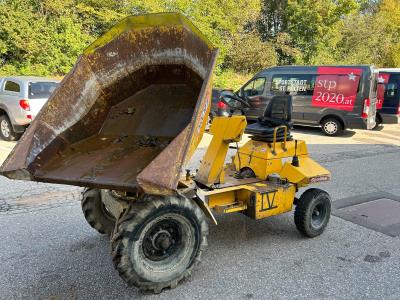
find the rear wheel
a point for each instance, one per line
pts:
(96, 212)
(378, 122)
(7, 132)
(312, 212)
(158, 241)
(331, 127)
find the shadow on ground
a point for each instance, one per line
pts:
(316, 131)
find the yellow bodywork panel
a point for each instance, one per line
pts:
(256, 200)
(258, 197)
(259, 156)
(272, 202)
(222, 198)
(225, 130)
(306, 173)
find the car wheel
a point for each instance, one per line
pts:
(378, 123)
(331, 127)
(7, 132)
(312, 212)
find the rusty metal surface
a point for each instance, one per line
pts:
(129, 115)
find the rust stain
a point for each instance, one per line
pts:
(129, 114)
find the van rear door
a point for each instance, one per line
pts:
(371, 99)
(388, 92)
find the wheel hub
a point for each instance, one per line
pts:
(5, 130)
(330, 127)
(162, 240)
(318, 216)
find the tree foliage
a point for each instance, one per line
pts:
(44, 37)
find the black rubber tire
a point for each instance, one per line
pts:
(334, 123)
(96, 213)
(247, 173)
(378, 122)
(304, 212)
(12, 136)
(132, 229)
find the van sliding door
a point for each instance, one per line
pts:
(300, 87)
(311, 114)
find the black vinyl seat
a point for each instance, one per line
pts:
(277, 113)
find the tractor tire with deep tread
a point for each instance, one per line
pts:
(96, 213)
(158, 241)
(312, 212)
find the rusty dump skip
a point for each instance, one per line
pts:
(130, 113)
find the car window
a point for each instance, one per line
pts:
(215, 95)
(12, 86)
(391, 89)
(295, 84)
(254, 87)
(38, 90)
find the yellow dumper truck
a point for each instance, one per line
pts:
(124, 123)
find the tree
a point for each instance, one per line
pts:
(372, 38)
(305, 31)
(45, 37)
(313, 25)
(273, 18)
(39, 38)
(221, 21)
(249, 54)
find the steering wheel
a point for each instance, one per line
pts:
(236, 98)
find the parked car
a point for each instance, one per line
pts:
(21, 99)
(388, 106)
(218, 108)
(333, 97)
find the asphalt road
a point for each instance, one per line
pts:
(47, 250)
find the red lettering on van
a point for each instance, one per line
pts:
(383, 78)
(336, 87)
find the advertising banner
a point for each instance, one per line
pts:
(336, 87)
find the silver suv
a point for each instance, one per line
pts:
(21, 99)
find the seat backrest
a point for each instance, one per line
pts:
(280, 107)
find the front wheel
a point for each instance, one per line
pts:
(331, 127)
(312, 212)
(158, 241)
(7, 132)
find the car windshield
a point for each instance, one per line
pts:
(38, 90)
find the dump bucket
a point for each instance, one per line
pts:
(129, 115)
